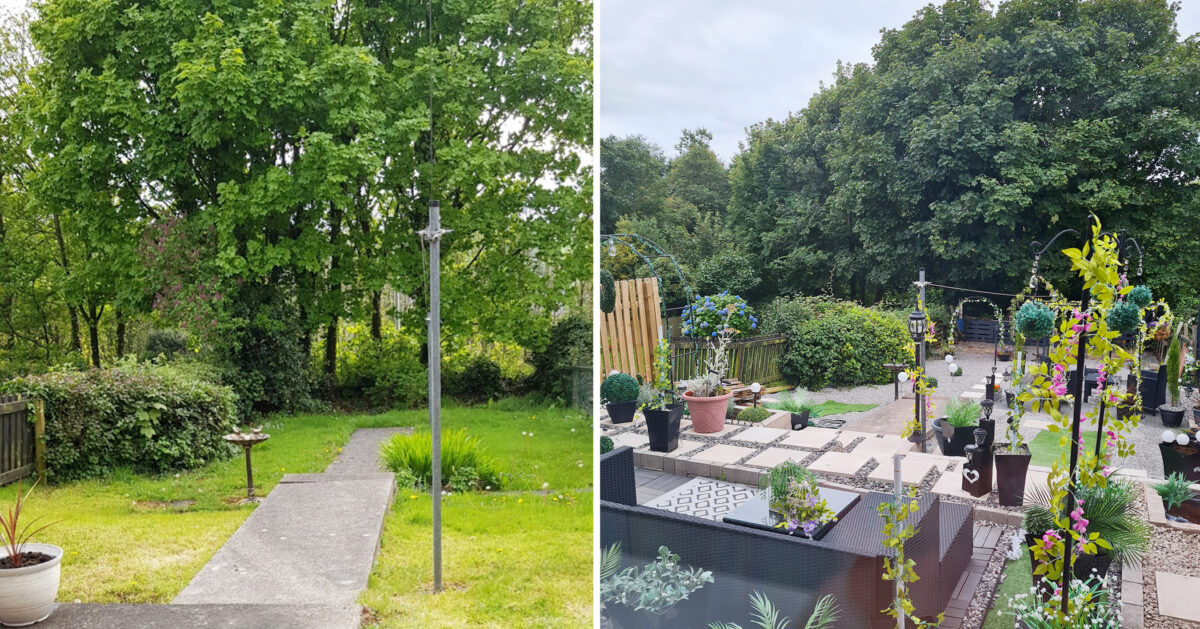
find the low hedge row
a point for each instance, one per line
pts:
(150, 418)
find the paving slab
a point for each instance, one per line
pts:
(890, 418)
(723, 454)
(685, 446)
(114, 616)
(360, 455)
(940, 461)
(760, 434)
(1174, 596)
(812, 438)
(972, 395)
(723, 432)
(883, 446)
(848, 436)
(631, 439)
(839, 463)
(774, 456)
(912, 471)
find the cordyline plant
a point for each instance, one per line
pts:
(1099, 265)
(12, 534)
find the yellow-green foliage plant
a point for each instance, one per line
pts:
(898, 568)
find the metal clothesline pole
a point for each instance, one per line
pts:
(433, 234)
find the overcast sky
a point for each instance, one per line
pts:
(670, 64)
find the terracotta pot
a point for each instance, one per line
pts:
(27, 594)
(708, 413)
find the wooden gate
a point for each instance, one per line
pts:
(629, 334)
(17, 439)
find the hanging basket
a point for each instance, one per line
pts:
(1034, 320)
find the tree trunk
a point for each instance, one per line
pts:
(120, 334)
(377, 315)
(331, 334)
(76, 343)
(66, 265)
(94, 339)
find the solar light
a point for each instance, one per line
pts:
(1182, 439)
(1168, 436)
(949, 359)
(755, 388)
(902, 376)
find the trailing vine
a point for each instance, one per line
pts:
(896, 531)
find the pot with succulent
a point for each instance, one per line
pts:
(717, 318)
(1172, 414)
(651, 596)
(798, 404)
(1180, 503)
(1110, 511)
(619, 393)
(954, 430)
(660, 403)
(29, 571)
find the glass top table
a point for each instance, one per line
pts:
(756, 513)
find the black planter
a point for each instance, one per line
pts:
(1008, 398)
(1182, 459)
(1004, 357)
(1171, 418)
(1153, 389)
(621, 413)
(1011, 471)
(952, 439)
(989, 426)
(800, 420)
(663, 427)
(1196, 416)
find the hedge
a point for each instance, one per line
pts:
(835, 343)
(149, 418)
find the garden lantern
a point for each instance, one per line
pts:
(755, 388)
(987, 408)
(917, 325)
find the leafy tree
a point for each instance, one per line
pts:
(632, 180)
(697, 176)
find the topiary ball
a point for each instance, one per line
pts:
(618, 389)
(754, 414)
(1034, 320)
(606, 444)
(1141, 296)
(1124, 318)
(608, 292)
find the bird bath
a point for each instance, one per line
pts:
(248, 440)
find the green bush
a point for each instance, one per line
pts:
(606, 444)
(1141, 296)
(478, 381)
(383, 373)
(168, 343)
(569, 348)
(837, 343)
(754, 414)
(1034, 320)
(262, 354)
(464, 465)
(1124, 318)
(150, 418)
(618, 389)
(608, 291)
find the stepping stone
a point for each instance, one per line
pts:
(839, 463)
(912, 471)
(774, 456)
(939, 461)
(107, 616)
(981, 386)
(685, 446)
(1174, 596)
(812, 438)
(728, 429)
(848, 436)
(631, 439)
(973, 395)
(1040, 424)
(723, 454)
(883, 446)
(760, 434)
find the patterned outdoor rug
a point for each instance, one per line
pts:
(703, 498)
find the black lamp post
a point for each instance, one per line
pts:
(917, 324)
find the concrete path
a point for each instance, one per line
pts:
(298, 562)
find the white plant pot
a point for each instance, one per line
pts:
(27, 594)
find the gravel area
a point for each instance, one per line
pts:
(985, 592)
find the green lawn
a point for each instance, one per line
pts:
(511, 559)
(1017, 580)
(1045, 447)
(828, 407)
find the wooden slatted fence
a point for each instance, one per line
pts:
(755, 359)
(17, 439)
(629, 334)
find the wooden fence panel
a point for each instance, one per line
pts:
(629, 334)
(16, 439)
(755, 359)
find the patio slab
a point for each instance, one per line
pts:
(685, 446)
(912, 471)
(631, 439)
(1174, 596)
(723, 454)
(846, 437)
(812, 438)
(774, 456)
(108, 616)
(724, 432)
(844, 464)
(760, 434)
(883, 446)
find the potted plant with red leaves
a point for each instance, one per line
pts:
(29, 571)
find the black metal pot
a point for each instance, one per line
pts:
(800, 420)
(1011, 471)
(952, 439)
(1170, 418)
(1004, 357)
(663, 426)
(621, 413)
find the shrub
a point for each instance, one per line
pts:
(479, 381)
(1110, 510)
(167, 343)
(150, 418)
(383, 373)
(569, 348)
(1173, 370)
(264, 358)
(1175, 491)
(464, 466)
(618, 389)
(754, 414)
(837, 343)
(606, 444)
(796, 401)
(703, 317)
(608, 291)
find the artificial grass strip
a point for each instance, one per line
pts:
(1016, 580)
(830, 407)
(1046, 449)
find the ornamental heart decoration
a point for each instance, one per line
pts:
(971, 475)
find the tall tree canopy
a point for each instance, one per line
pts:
(970, 136)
